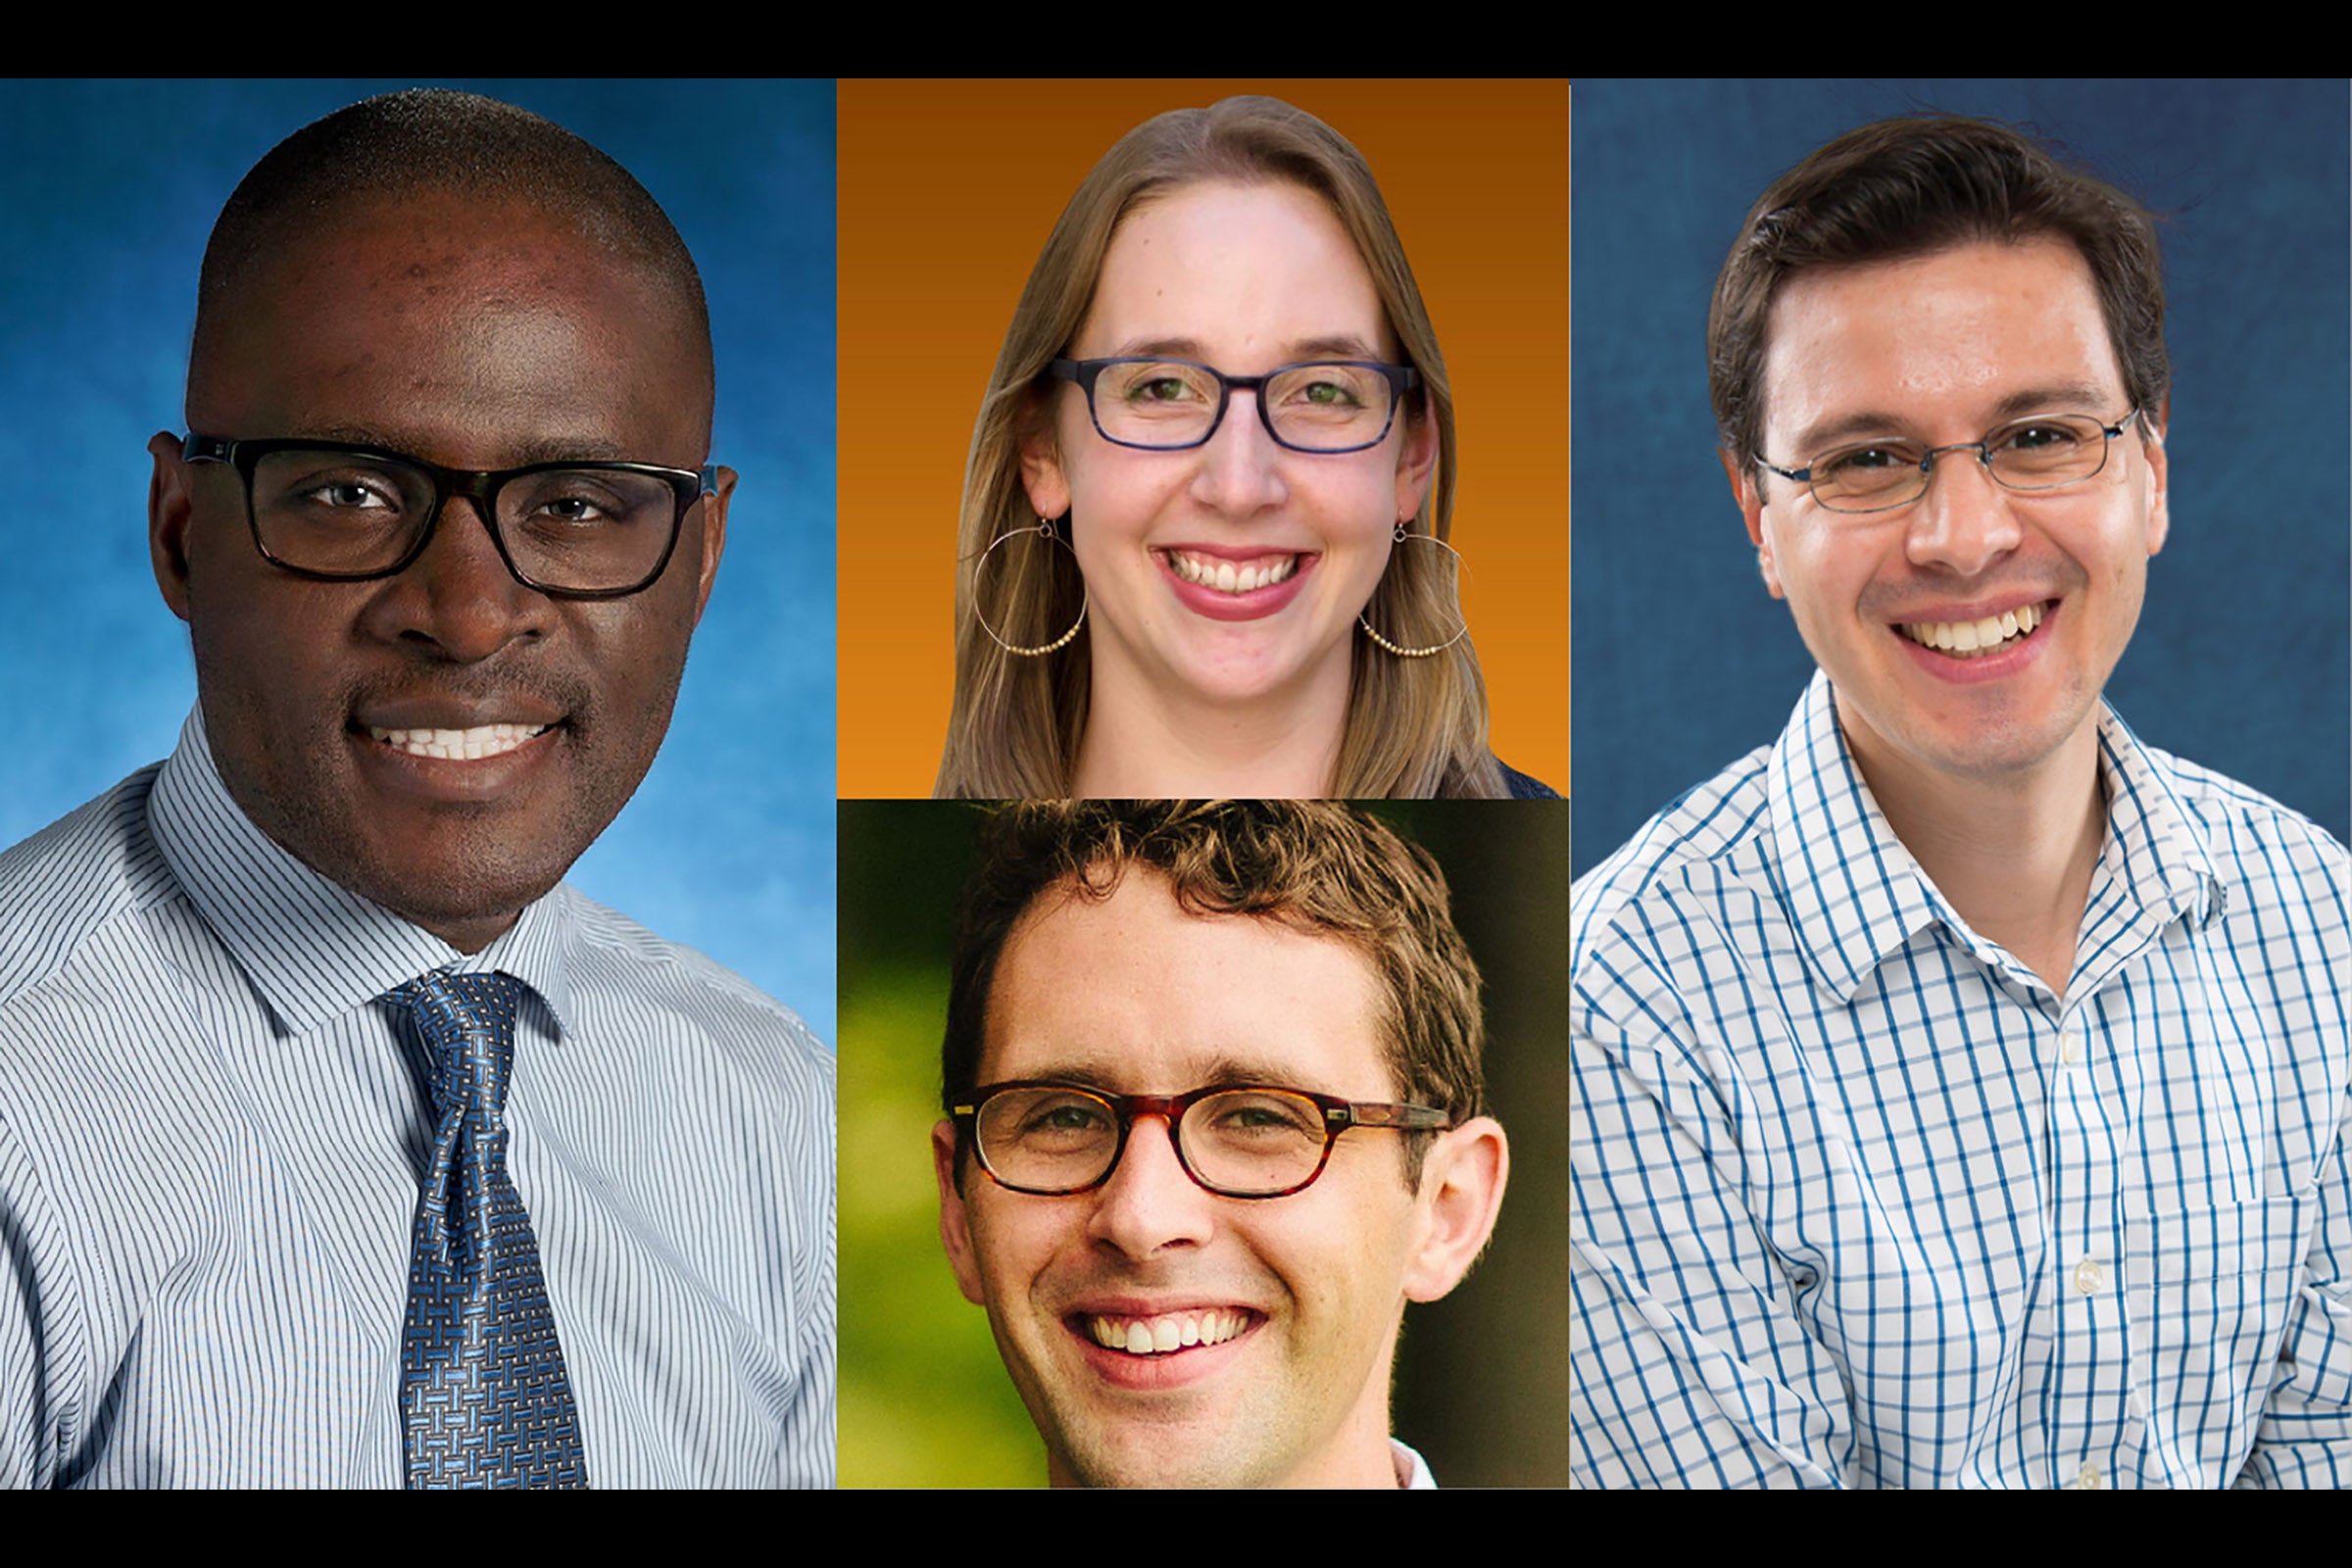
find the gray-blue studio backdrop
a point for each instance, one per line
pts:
(1683, 665)
(112, 188)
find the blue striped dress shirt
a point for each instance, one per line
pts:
(1857, 1200)
(212, 1129)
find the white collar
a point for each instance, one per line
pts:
(1413, 1471)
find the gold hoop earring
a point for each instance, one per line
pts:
(1401, 535)
(1044, 529)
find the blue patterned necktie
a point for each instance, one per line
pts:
(485, 1400)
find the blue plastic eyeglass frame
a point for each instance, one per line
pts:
(1401, 379)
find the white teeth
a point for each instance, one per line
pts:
(1970, 639)
(1174, 1331)
(459, 745)
(1227, 578)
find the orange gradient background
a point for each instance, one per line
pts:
(946, 193)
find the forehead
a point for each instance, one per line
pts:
(1137, 995)
(463, 328)
(1253, 274)
(1951, 340)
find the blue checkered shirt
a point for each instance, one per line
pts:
(1857, 1200)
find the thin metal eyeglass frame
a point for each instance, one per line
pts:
(1339, 1116)
(478, 485)
(1402, 379)
(1981, 446)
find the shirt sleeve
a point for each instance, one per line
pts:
(807, 1452)
(1690, 1363)
(32, 1318)
(2305, 1437)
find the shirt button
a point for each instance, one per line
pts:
(2089, 1278)
(2089, 1479)
(2069, 1047)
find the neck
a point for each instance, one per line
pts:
(468, 937)
(1147, 740)
(2013, 853)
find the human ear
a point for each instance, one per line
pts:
(714, 538)
(1416, 464)
(1461, 1192)
(1042, 475)
(1749, 493)
(954, 1223)
(2159, 475)
(169, 507)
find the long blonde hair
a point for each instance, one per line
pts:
(1414, 726)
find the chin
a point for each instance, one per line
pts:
(1999, 744)
(1232, 674)
(1139, 1454)
(458, 903)
(1988, 754)
(453, 873)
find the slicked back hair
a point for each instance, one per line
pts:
(1316, 866)
(433, 139)
(1910, 187)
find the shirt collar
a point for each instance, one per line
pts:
(1413, 1471)
(313, 949)
(1855, 894)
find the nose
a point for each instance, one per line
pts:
(458, 595)
(1150, 1204)
(1965, 522)
(1240, 471)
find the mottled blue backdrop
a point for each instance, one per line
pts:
(1682, 663)
(111, 189)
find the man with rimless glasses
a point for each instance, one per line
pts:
(1215, 1115)
(342, 1143)
(1960, 1081)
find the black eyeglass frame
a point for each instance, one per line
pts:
(1402, 379)
(478, 485)
(1981, 446)
(1338, 1116)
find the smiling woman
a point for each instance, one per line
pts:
(1161, 592)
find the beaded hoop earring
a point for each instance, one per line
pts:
(1044, 530)
(1401, 535)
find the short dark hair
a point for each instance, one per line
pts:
(431, 139)
(1316, 866)
(1909, 187)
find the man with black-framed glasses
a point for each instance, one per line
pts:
(1961, 1084)
(342, 1143)
(1214, 1113)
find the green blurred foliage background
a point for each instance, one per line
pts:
(1482, 1379)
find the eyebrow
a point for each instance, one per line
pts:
(2057, 398)
(1110, 1075)
(551, 450)
(1334, 346)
